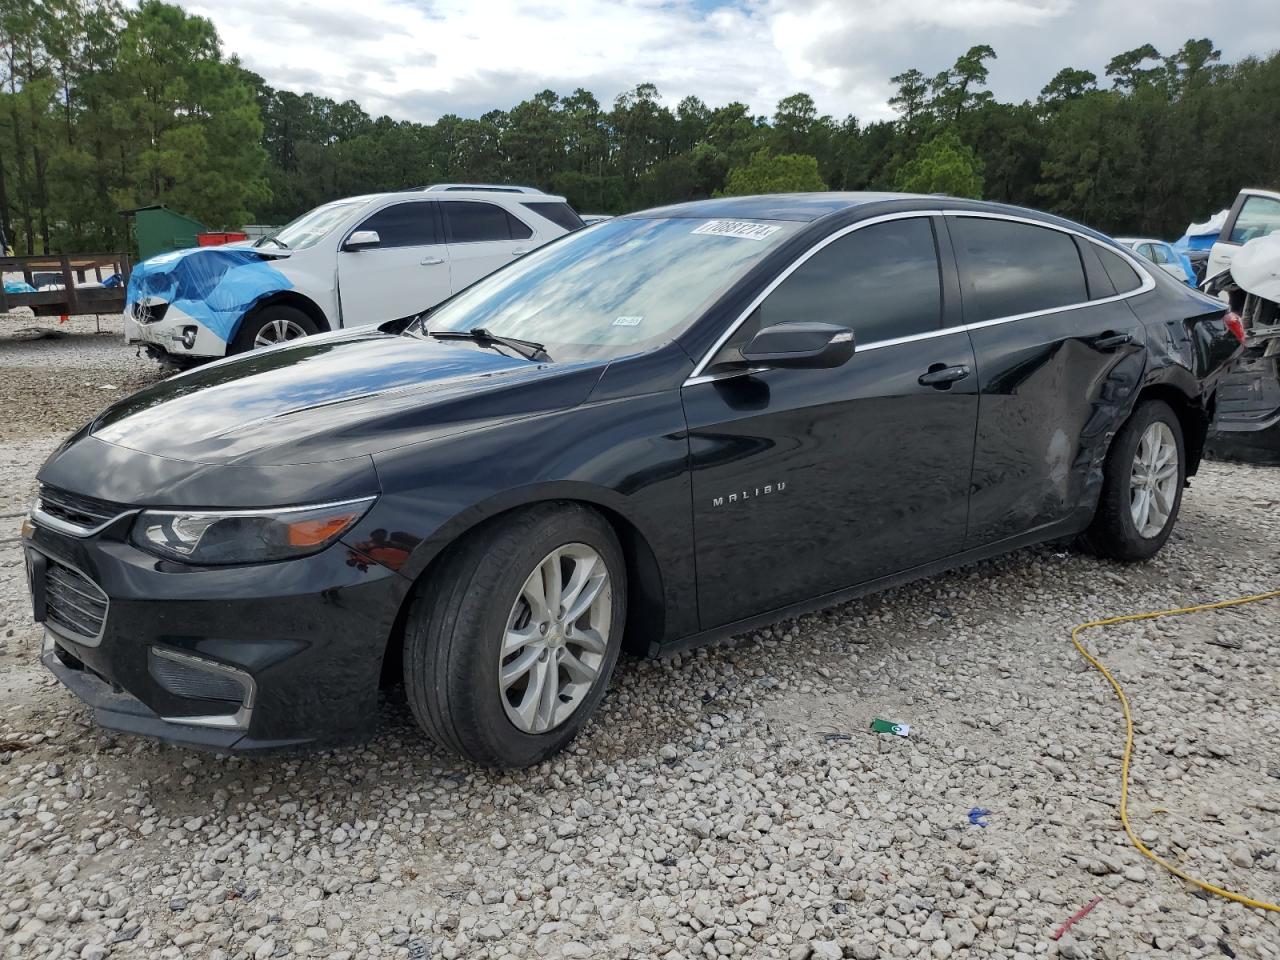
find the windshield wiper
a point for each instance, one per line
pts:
(274, 239)
(528, 349)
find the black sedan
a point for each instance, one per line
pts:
(676, 425)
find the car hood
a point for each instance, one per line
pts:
(334, 397)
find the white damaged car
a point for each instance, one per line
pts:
(356, 261)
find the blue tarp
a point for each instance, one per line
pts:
(215, 286)
(18, 286)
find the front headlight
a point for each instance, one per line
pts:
(245, 536)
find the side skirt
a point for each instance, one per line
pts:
(1067, 528)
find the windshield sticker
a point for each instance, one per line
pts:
(737, 228)
(627, 321)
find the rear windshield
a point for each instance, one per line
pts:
(561, 214)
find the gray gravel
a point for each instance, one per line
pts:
(727, 803)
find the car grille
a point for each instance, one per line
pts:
(151, 312)
(74, 604)
(86, 513)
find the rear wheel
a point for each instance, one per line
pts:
(510, 643)
(272, 325)
(1142, 487)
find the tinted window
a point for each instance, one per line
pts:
(561, 214)
(1123, 276)
(1258, 217)
(881, 280)
(472, 221)
(403, 225)
(1009, 268)
(1099, 282)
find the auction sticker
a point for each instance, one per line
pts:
(742, 229)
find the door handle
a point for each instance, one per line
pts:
(431, 261)
(519, 251)
(941, 377)
(1110, 341)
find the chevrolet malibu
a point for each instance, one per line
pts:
(678, 425)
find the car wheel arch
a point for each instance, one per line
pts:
(646, 597)
(1194, 416)
(286, 298)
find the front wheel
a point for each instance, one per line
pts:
(271, 325)
(1142, 486)
(509, 644)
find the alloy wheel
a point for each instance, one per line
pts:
(1153, 480)
(277, 331)
(556, 638)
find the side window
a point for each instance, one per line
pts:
(1258, 217)
(561, 214)
(1161, 253)
(881, 280)
(1099, 281)
(1123, 276)
(1009, 268)
(404, 225)
(473, 221)
(1144, 250)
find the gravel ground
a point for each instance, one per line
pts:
(727, 803)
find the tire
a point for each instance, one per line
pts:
(272, 321)
(466, 608)
(1114, 531)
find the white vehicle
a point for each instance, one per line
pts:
(356, 261)
(1162, 255)
(1256, 213)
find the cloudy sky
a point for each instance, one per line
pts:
(418, 59)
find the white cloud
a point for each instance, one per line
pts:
(418, 59)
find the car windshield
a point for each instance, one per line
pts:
(312, 225)
(623, 286)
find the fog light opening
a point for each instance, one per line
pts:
(196, 678)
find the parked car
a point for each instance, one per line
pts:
(344, 264)
(675, 426)
(1163, 256)
(1246, 422)
(1255, 213)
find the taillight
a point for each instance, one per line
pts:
(1234, 324)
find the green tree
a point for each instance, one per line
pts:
(774, 173)
(942, 165)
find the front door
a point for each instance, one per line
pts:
(406, 272)
(809, 481)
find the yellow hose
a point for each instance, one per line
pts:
(1128, 744)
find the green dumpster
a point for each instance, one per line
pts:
(157, 229)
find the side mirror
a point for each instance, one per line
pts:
(362, 239)
(800, 345)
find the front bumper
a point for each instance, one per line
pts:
(176, 334)
(303, 638)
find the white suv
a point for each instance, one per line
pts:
(356, 261)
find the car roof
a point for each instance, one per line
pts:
(489, 196)
(803, 207)
(1129, 241)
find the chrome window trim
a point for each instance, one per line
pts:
(1148, 284)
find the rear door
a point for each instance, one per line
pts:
(809, 481)
(482, 237)
(408, 270)
(1059, 352)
